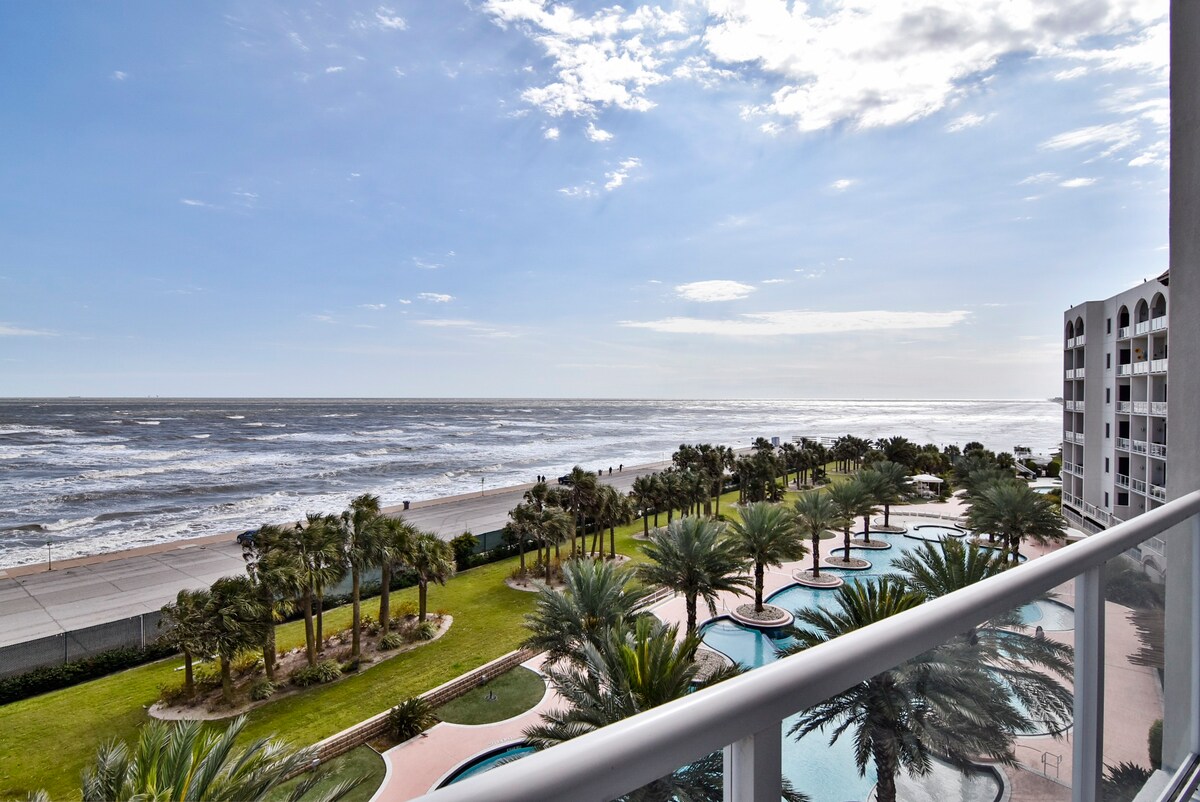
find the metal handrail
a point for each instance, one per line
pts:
(629, 754)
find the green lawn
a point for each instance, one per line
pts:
(46, 741)
(508, 695)
(362, 761)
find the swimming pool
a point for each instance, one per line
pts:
(1051, 616)
(935, 532)
(486, 762)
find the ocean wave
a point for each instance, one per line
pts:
(45, 431)
(236, 417)
(147, 422)
(200, 436)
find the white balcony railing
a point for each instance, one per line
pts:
(1158, 408)
(1138, 485)
(1158, 492)
(1158, 450)
(1123, 333)
(1124, 406)
(1158, 365)
(1158, 323)
(1080, 340)
(1140, 368)
(1123, 443)
(1141, 328)
(1122, 481)
(1069, 437)
(744, 716)
(1070, 342)
(1141, 407)
(1079, 437)
(1139, 447)
(1123, 370)
(1069, 373)
(1079, 373)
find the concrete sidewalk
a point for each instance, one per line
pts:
(86, 591)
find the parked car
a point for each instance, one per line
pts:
(246, 539)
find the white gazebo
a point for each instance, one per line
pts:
(927, 481)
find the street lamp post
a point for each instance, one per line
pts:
(49, 563)
(481, 485)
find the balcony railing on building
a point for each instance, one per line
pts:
(1158, 323)
(1158, 408)
(1158, 365)
(1141, 328)
(1123, 333)
(1123, 443)
(1124, 406)
(743, 717)
(1141, 407)
(1122, 480)
(1158, 450)
(1069, 437)
(1141, 368)
(1139, 485)
(1122, 370)
(1139, 447)
(1157, 492)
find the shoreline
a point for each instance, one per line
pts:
(204, 541)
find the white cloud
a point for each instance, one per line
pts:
(1112, 136)
(192, 202)
(322, 318)
(389, 19)
(969, 120)
(421, 264)
(843, 184)
(404, 301)
(582, 191)
(615, 178)
(551, 133)
(597, 134)
(775, 281)
(717, 290)
(8, 330)
(1071, 74)
(435, 297)
(332, 70)
(799, 322)
(1039, 178)
(373, 307)
(444, 323)
(118, 75)
(1073, 183)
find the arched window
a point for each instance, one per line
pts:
(1123, 317)
(1078, 327)
(1158, 305)
(1142, 311)
(1070, 329)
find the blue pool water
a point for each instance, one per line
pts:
(824, 771)
(486, 762)
(1050, 616)
(935, 532)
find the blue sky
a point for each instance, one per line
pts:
(703, 198)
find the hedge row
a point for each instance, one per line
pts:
(51, 678)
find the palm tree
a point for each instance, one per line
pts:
(186, 622)
(643, 496)
(433, 561)
(817, 512)
(358, 528)
(938, 703)
(597, 597)
(317, 551)
(892, 487)
(272, 568)
(630, 671)
(186, 760)
(1015, 513)
(766, 535)
(898, 449)
(691, 557)
(1031, 668)
(873, 486)
(391, 542)
(672, 490)
(235, 623)
(849, 497)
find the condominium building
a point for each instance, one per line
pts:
(1115, 406)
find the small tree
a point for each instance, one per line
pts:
(464, 547)
(433, 561)
(235, 623)
(186, 622)
(765, 535)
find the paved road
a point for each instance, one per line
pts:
(80, 593)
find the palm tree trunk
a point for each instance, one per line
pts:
(887, 515)
(720, 487)
(599, 533)
(385, 596)
(816, 557)
(422, 592)
(885, 768)
(310, 649)
(268, 651)
(646, 523)
(320, 621)
(189, 682)
(226, 681)
(355, 614)
(521, 546)
(690, 600)
(655, 520)
(758, 587)
(867, 528)
(846, 551)
(612, 541)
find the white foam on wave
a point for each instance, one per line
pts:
(147, 422)
(46, 431)
(236, 417)
(254, 424)
(200, 436)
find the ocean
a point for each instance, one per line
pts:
(93, 476)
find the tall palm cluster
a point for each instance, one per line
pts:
(290, 568)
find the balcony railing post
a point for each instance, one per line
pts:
(754, 767)
(1195, 701)
(1088, 760)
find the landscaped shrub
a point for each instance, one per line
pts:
(324, 671)
(172, 693)
(426, 630)
(246, 663)
(262, 689)
(410, 718)
(403, 609)
(206, 676)
(464, 550)
(50, 678)
(352, 665)
(390, 641)
(1155, 744)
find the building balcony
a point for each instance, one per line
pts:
(1141, 328)
(744, 718)
(1124, 406)
(1158, 365)
(1122, 481)
(1138, 485)
(1157, 492)
(1123, 443)
(1141, 407)
(1124, 333)
(1158, 408)
(1079, 437)
(1158, 323)
(1139, 447)
(1069, 437)
(1122, 370)
(1141, 368)
(1079, 373)
(1158, 450)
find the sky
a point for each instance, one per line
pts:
(535, 198)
